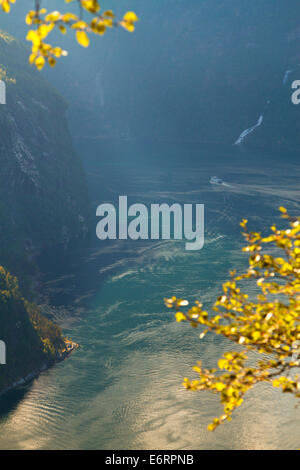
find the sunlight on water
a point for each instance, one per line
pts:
(122, 388)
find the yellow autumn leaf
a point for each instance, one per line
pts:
(51, 61)
(40, 62)
(109, 13)
(82, 38)
(220, 386)
(180, 316)
(130, 16)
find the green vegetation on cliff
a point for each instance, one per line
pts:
(32, 342)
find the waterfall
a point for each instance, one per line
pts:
(249, 131)
(261, 118)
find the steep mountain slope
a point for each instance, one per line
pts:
(43, 196)
(43, 204)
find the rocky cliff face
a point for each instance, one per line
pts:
(43, 196)
(43, 203)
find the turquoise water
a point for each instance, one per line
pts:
(122, 388)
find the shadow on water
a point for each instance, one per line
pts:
(9, 402)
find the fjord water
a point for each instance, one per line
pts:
(122, 388)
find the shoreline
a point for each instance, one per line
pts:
(71, 346)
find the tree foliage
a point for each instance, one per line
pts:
(265, 326)
(31, 339)
(12, 300)
(42, 23)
